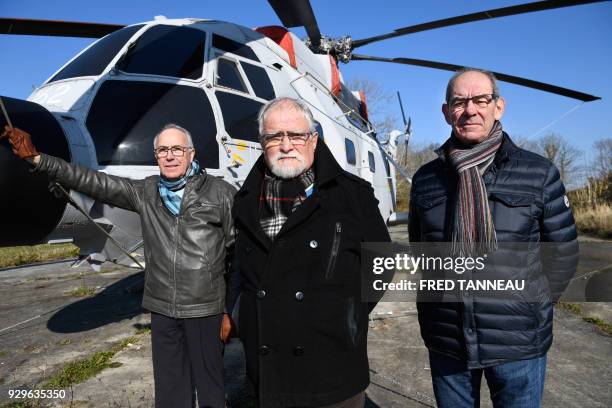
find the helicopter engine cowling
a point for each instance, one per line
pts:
(28, 210)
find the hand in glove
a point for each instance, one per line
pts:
(21, 142)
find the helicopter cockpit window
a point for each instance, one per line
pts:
(260, 81)
(371, 162)
(125, 116)
(387, 167)
(234, 47)
(156, 52)
(239, 115)
(97, 57)
(229, 76)
(351, 157)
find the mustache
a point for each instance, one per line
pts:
(294, 155)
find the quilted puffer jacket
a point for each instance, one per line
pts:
(528, 205)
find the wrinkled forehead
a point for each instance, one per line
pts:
(285, 117)
(472, 83)
(172, 137)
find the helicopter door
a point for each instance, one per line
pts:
(242, 86)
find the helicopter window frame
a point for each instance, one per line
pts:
(252, 56)
(263, 67)
(140, 126)
(86, 54)
(135, 39)
(371, 162)
(351, 152)
(230, 126)
(242, 75)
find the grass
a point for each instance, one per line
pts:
(20, 255)
(81, 370)
(595, 221)
(82, 291)
(577, 310)
(19, 404)
(142, 328)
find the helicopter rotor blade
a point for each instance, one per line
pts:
(23, 26)
(298, 13)
(482, 15)
(502, 77)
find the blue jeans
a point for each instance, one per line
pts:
(517, 384)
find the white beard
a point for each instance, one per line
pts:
(287, 172)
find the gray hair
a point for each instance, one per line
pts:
(177, 127)
(296, 104)
(488, 74)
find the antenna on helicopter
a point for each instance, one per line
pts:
(407, 125)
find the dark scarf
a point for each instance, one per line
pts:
(280, 198)
(168, 188)
(473, 231)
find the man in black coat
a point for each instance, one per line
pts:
(480, 194)
(300, 221)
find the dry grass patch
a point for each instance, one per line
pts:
(20, 255)
(595, 221)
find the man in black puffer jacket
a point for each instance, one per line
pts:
(480, 192)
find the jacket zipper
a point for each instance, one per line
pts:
(176, 244)
(329, 273)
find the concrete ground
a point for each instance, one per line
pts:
(44, 326)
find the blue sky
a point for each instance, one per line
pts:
(569, 47)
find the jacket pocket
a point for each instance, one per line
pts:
(333, 256)
(512, 214)
(513, 200)
(428, 202)
(431, 211)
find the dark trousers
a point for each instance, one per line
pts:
(187, 353)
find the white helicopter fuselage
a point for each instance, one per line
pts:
(230, 78)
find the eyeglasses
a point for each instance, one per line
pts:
(177, 151)
(275, 139)
(481, 101)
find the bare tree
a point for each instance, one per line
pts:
(563, 155)
(381, 111)
(603, 159)
(412, 157)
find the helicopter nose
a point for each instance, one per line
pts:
(28, 211)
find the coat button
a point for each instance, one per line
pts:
(299, 295)
(248, 249)
(298, 351)
(264, 350)
(261, 293)
(314, 244)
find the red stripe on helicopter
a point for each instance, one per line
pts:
(282, 37)
(363, 106)
(336, 86)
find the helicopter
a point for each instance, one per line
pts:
(104, 106)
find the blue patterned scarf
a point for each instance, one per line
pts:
(168, 188)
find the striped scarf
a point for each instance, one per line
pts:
(280, 198)
(168, 189)
(473, 232)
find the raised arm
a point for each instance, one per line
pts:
(113, 190)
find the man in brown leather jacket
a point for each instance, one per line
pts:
(187, 231)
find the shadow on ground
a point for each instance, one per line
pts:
(119, 301)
